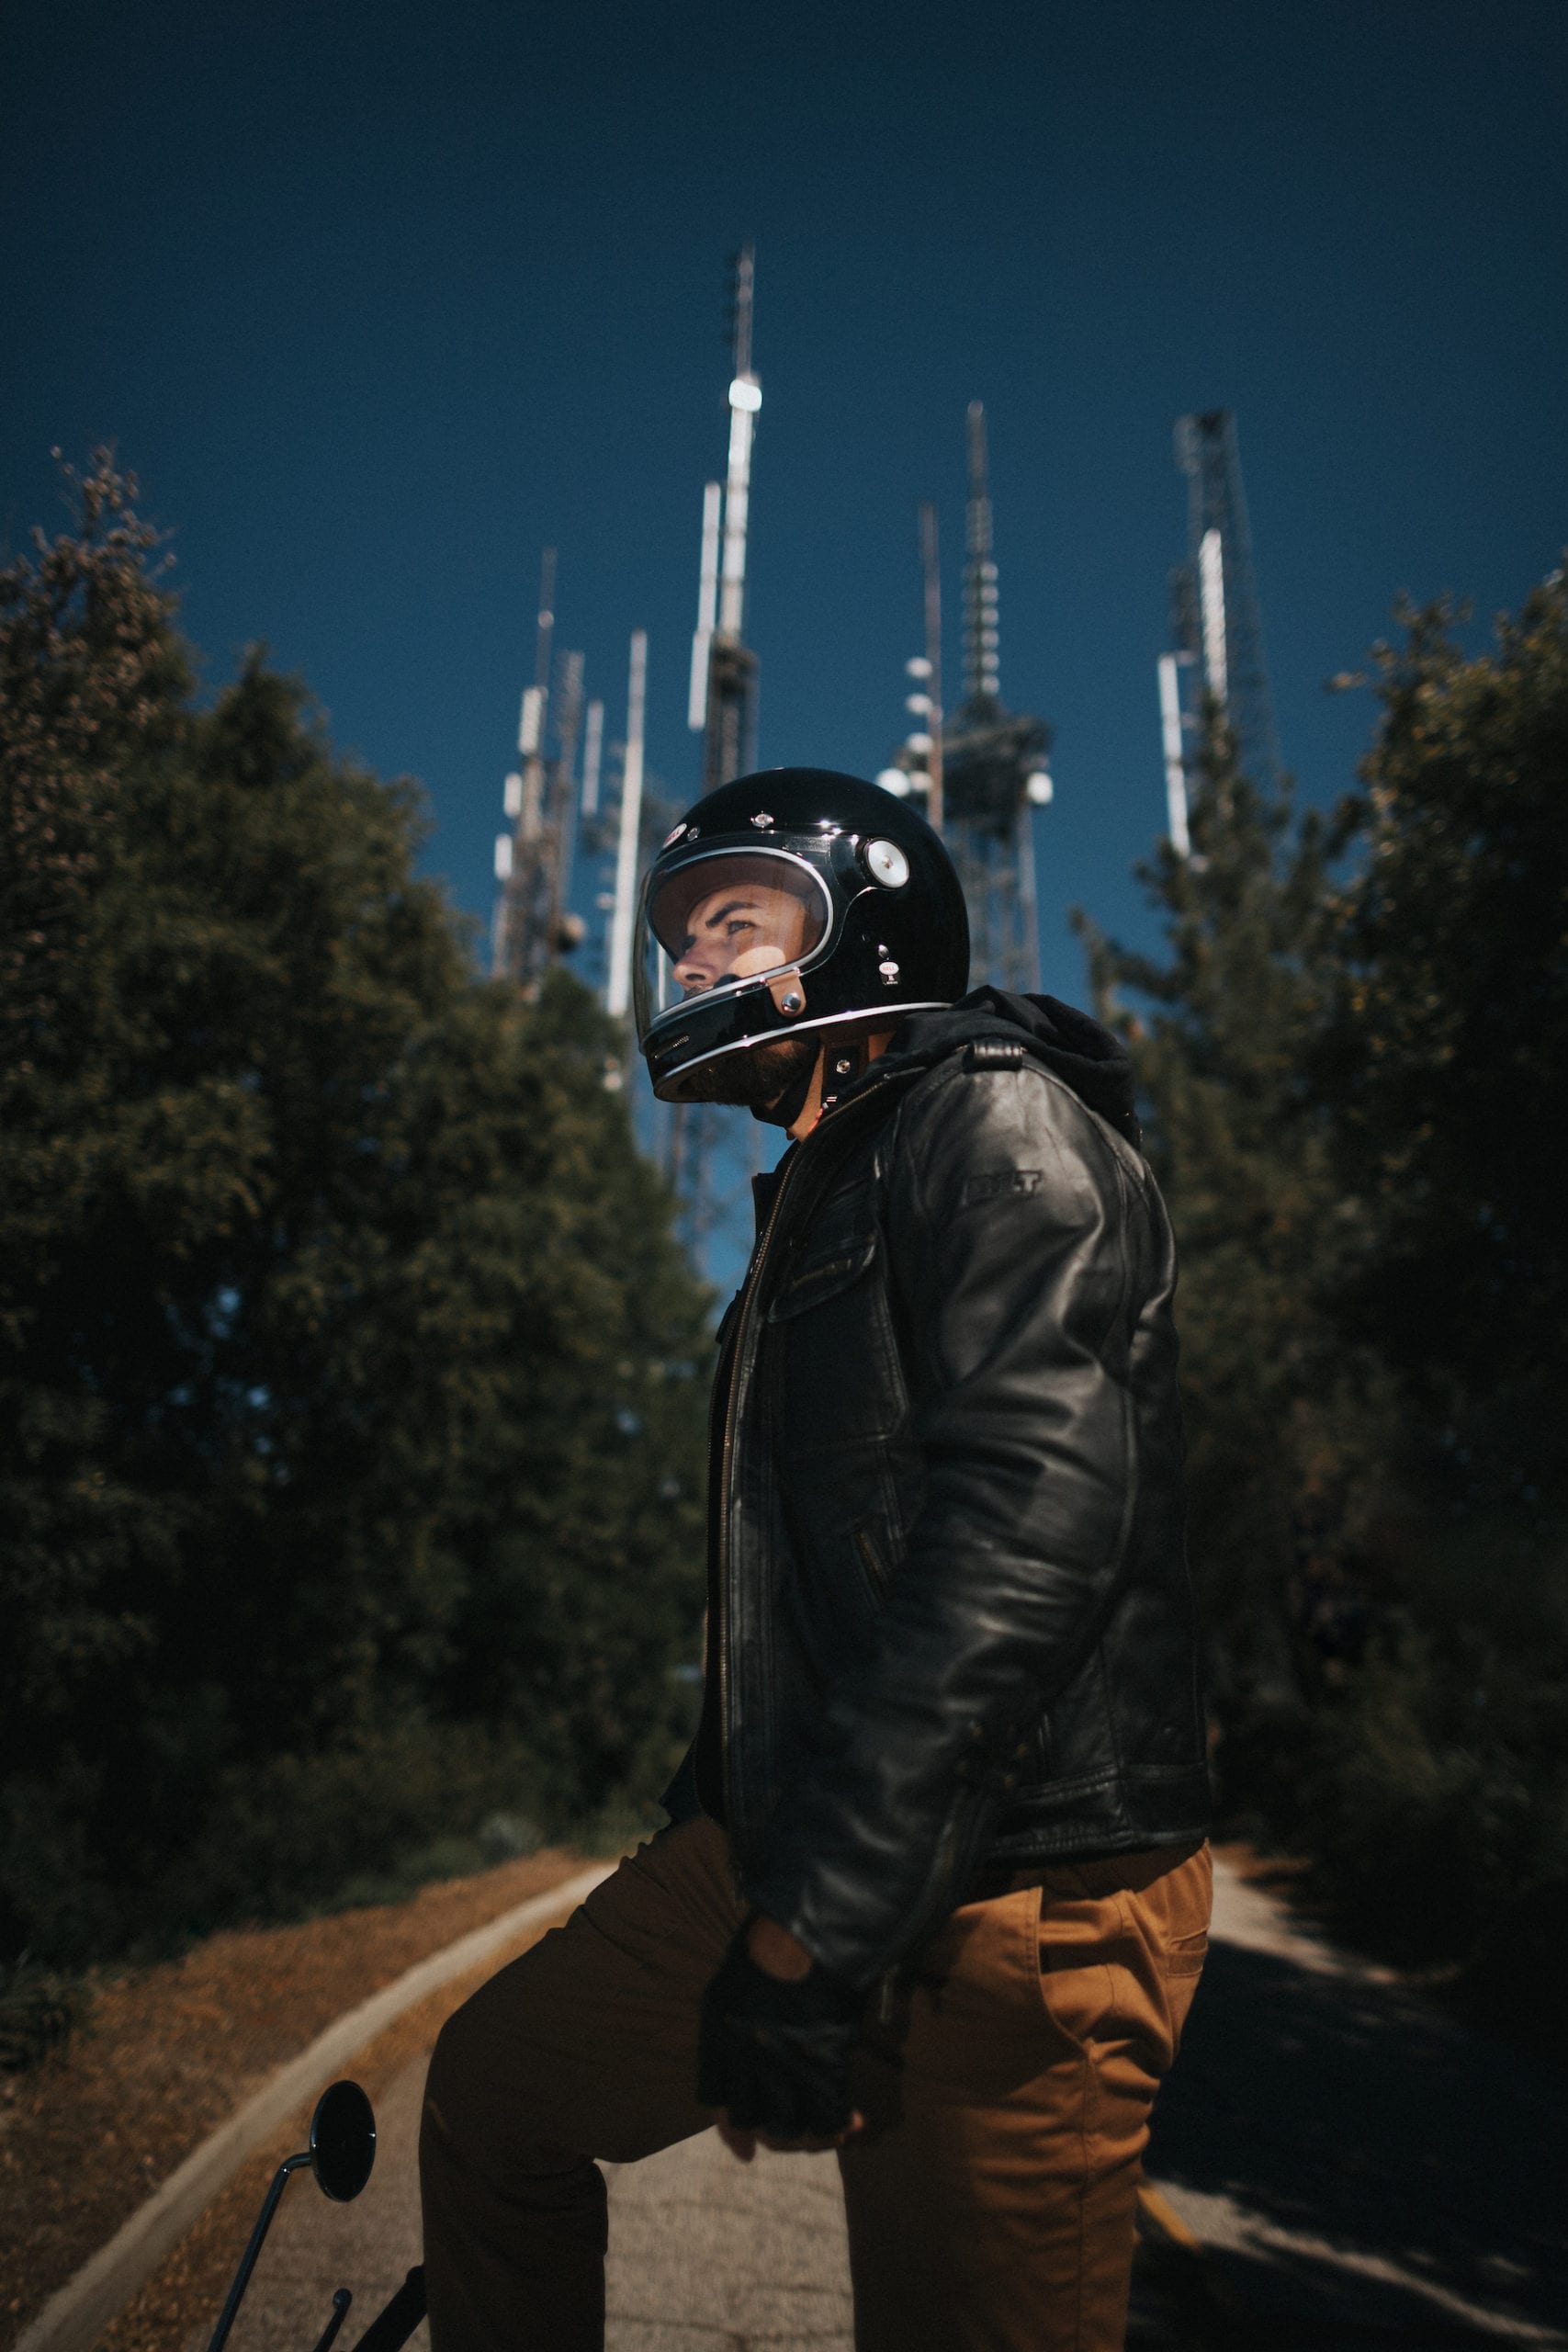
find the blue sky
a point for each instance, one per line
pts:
(376, 299)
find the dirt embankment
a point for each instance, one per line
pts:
(169, 2052)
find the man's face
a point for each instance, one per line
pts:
(737, 932)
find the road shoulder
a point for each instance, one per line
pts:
(173, 2052)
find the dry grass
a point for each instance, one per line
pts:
(171, 2051)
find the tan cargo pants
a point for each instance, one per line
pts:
(1007, 2081)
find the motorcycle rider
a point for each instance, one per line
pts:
(935, 1888)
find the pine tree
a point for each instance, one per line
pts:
(1347, 1056)
(1450, 1043)
(1444, 1797)
(350, 1432)
(1285, 1424)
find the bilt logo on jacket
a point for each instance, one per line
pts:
(999, 1183)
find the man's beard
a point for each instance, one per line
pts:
(752, 1079)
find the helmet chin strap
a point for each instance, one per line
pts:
(845, 1061)
(785, 1108)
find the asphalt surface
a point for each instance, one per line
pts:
(1360, 2169)
(1357, 2170)
(706, 2254)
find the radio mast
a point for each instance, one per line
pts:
(532, 923)
(712, 1152)
(982, 777)
(1219, 662)
(618, 990)
(722, 705)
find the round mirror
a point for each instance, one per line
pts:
(343, 2141)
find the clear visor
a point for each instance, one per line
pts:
(717, 921)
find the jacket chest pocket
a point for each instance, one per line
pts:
(837, 1380)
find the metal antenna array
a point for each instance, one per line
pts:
(983, 778)
(1216, 621)
(981, 657)
(532, 923)
(722, 705)
(712, 1152)
(628, 841)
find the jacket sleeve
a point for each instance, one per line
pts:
(1012, 1230)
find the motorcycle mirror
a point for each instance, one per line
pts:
(342, 2150)
(343, 2142)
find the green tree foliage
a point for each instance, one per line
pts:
(350, 1417)
(1446, 1060)
(1445, 1048)
(1348, 1055)
(1280, 1413)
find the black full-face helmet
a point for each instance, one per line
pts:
(792, 902)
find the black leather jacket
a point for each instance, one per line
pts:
(950, 1616)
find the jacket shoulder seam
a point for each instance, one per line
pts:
(951, 1071)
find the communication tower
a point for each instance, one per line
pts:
(1219, 660)
(982, 777)
(532, 923)
(712, 1152)
(628, 838)
(722, 707)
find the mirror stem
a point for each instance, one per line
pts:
(248, 2261)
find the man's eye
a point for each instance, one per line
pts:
(737, 922)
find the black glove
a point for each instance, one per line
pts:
(775, 2054)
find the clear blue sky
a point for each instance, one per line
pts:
(377, 298)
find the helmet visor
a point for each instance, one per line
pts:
(719, 920)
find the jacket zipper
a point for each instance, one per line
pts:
(870, 1561)
(732, 1408)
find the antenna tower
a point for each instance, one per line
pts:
(1216, 621)
(712, 1152)
(983, 778)
(722, 707)
(532, 923)
(628, 839)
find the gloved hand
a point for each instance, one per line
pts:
(774, 2052)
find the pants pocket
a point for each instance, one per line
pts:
(1185, 1955)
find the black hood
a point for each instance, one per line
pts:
(1078, 1051)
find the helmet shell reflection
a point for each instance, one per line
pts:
(798, 898)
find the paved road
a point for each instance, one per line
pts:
(706, 2254)
(1363, 2169)
(1358, 2170)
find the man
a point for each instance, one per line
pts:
(935, 1889)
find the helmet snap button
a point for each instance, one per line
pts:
(885, 862)
(792, 1001)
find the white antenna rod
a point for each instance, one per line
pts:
(593, 750)
(744, 400)
(1175, 767)
(618, 994)
(707, 590)
(707, 610)
(1211, 597)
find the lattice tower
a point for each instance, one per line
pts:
(710, 1151)
(723, 701)
(1217, 620)
(534, 923)
(982, 777)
